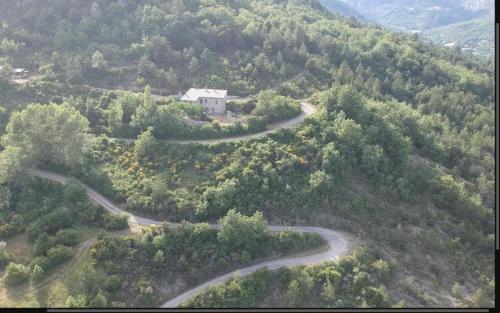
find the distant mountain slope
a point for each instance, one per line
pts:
(418, 15)
(478, 4)
(474, 35)
(341, 7)
(429, 17)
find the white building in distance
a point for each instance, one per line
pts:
(213, 100)
(20, 71)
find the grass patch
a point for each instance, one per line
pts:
(20, 248)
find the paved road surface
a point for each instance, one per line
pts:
(337, 242)
(338, 246)
(307, 110)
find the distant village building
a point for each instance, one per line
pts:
(213, 100)
(20, 71)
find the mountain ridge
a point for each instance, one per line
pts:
(431, 18)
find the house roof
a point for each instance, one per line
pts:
(193, 94)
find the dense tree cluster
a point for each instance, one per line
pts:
(243, 46)
(127, 115)
(274, 107)
(314, 171)
(48, 213)
(355, 281)
(131, 269)
(43, 133)
(401, 152)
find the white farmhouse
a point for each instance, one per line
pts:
(20, 71)
(213, 100)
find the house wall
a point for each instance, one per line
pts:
(213, 106)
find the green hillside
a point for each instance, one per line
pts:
(412, 15)
(475, 35)
(398, 154)
(467, 23)
(339, 6)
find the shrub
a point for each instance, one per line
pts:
(484, 297)
(15, 274)
(37, 273)
(74, 192)
(76, 302)
(5, 258)
(242, 233)
(50, 223)
(92, 215)
(34, 230)
(378, 297)
(58, 254)
(6, 230)
(99, 301)
(90, 279)
(58, 219)
(57, 295)
(17, 221)
(256, 123)
(116, 222)
(245, 107)
(112, 283)
(41, 261)
(383, 269)
(275, 107)
(68, 237)
(42, 244)
(289, 240)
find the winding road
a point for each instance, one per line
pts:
(338, 243)
(307, 110)
(306, 107)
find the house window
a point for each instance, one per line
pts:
(201, 101)
(205, 100)
(216, 102)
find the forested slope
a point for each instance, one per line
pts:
(401, 152)
(467, 23)
(473, 35)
